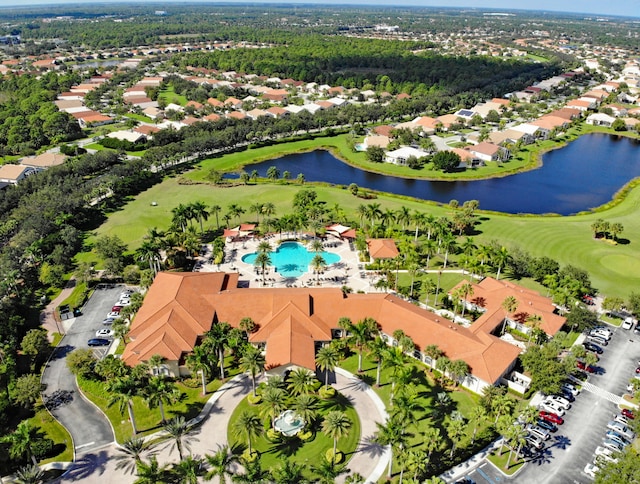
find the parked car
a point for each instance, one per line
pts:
(551, 417)
(606, 454)
(601, 333)
(552, 407)
(123, 302)
(105, 332)
(622, 429)
(559, 401)
(570, 388)
(590, 346)
(583, 366)
(567, 395)
(545, 424)
(108, 320)
(616, 437)
(535, 442)
(113, 315)
(628, 413)
(590, 469)
(636, 328)
(613, 445)
(622, 419)
(627, 323)
(587, 299)
(538, 432)
(98, 342)
(599, 340)
(116, 309)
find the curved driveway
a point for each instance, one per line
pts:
(370, 460)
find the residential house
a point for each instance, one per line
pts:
(12, 174)
(510, 136)
(44, 161)
(446, 120)
(92, 118)
(233, 103)
(488, 151)
(152, 112)
(256, 113)
(581, 104)
(277, 112)
(215, 103)
(402, 154)
(382, 249)
(147, 130)
(600, 119)
(131, 136)
(379, 140)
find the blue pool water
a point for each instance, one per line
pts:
(292, 259)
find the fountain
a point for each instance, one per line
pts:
(288, 423)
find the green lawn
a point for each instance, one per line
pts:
(500, 461)
(50, 427)
(170, 96)
(308, 453)
(139, 117)
(99, 147)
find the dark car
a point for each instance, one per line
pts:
(592, 347)
(636, 329)
(567, 396)
(98, 342)
(545, 424)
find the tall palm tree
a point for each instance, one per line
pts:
(151, 472)
(216, 209)
(159, 391)
(177, 431)
(201, 213)
(263, 260)
(500, 258)
(219, 464)
(478, 417)
(448, 244)
(377, 348)
(327, 472)
(393, 359)
(433, 352)
(510, 304)
(301, 381)
(288, 472)
(248, 426)
(466, 290)
(180, 217)
(252, 361)
(455, 430)
(268, 209)
(501, 405)
(306, 406)
(131, 452)
(149, 252)
(257, 209)
(336, 425)
(360, 334)
(432, 440)
(373, 212)
(20, 442)
(317, 265)
(274, 401)
(122, 390)
(403, 217)
(218, 338)
(392, 433)
(326, 359)
(188, 470)
(235, 210)
(201, 360)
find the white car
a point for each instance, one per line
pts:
(600, 333)
(123, 302)
(606, 454)
(621, 418)
(590, 469)
(563, 402)
(627, 323)
(113, 315)
(622, 429)
(613, 445)
(105, 332)
(538, 432)
(552, 407)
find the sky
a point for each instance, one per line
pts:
(616, 7)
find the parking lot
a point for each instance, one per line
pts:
(573, 446)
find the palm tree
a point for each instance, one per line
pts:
(159, 391)
(218, 338)
(263, 260)
(274, 401)
(432, 440)
(455, 432)
(403, 217)
(326, 359)
(289, 472)
(501, 258)
(510, 304)
(301, 381)
(361, 211)
(180, 216)
(201, 213)
(215, 209)
(406, 406)
(20, 442)
(394, 359)
(336, 425)
(188, 470)
(252, 361)
(219, 464)
(30, 474)
(448, 244)
(122, 391)
(200, 360)
(327, 472)
(249, 426)
(131, 452)
(150, 252)
(317, 265)
(151, 472)
(392, 433)
(501, 405)
(478, 417)
(466, 290)
(360, 334)
(273, 173)
(377, 348)
(433, 352)
(177, 430)
(235, 210)
(257, 209)
(458, 369)
(373, 212)
(306, 406)
(268, 209)
(516, 437)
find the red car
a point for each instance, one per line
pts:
(582, 366)
(551, 417)
(116, 309)
(638, 370)
(628, 413)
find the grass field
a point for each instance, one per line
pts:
(170, 96)
(50, 428)
(614, 269)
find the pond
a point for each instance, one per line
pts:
(583, 175)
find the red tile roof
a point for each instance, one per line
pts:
(382, 248)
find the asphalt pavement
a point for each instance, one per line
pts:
(88, 426)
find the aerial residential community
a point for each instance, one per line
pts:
(291, 243)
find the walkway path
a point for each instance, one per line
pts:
(48, 316)
(369, 460)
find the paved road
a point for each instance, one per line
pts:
(585, 423)
(87, 425)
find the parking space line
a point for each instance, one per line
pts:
(484, 475)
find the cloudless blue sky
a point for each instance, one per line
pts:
(616, 7)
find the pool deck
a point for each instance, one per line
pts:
(346, 272)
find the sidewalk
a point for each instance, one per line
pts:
(48, 318)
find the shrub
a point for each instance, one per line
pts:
(250, 456)
(273, 435)
(335, 459)
(254, 399)
(191, 382)
(306, 436)
(327, 392)
(42, 447)
(81, 362)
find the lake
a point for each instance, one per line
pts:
(580, 176)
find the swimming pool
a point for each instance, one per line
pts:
(292, 259)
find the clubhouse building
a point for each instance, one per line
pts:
(292, 323)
